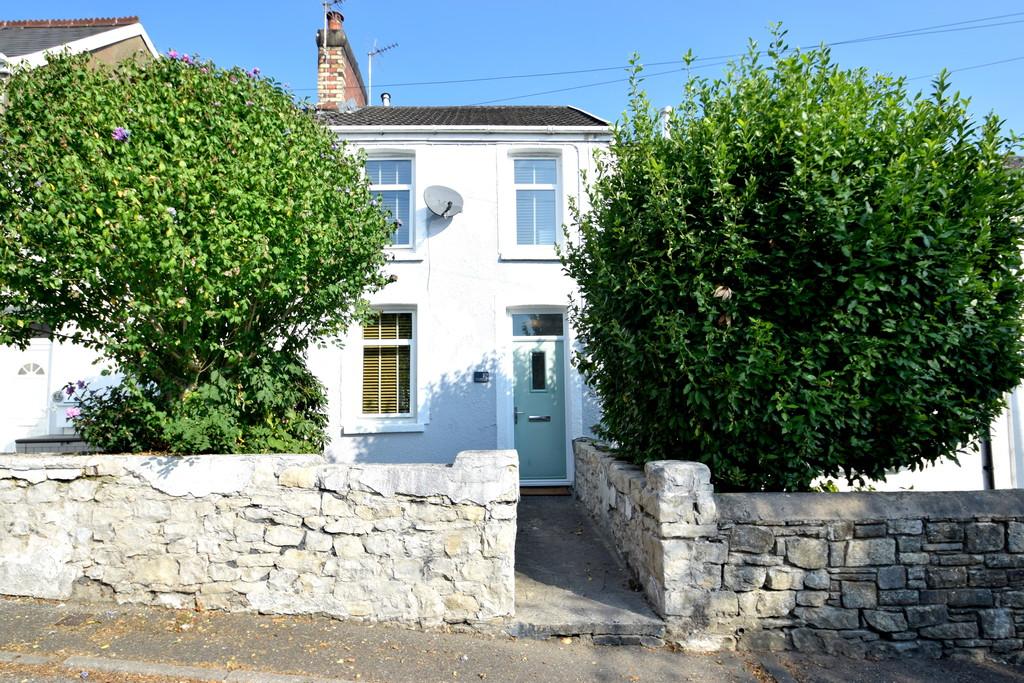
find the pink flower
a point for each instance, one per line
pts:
(72, 413)
(120, 134)
(173, 54)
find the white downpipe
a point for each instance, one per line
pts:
(1016, 441)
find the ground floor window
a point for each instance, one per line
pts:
(388, 366)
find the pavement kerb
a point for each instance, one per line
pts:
(25, 658)
(131, 666)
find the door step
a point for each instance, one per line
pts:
(545, 490)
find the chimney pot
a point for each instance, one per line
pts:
(385, 99)
(334, 20)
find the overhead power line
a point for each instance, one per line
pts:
(951, 27)
(672, 71)
(847, 42)
(971, 67)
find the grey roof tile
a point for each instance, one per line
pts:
(19, 38)
(463, 116)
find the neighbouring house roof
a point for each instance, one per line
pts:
(28, 40)
(478, 116)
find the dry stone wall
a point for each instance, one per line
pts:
(856, 574)
(277, 534)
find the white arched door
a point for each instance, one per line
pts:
(25, 398)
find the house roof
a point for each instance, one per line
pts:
(517, 116)
(18, 38)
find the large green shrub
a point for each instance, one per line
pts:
(197, 228)
(811, 273)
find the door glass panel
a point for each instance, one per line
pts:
(538, 371)
(537, 325)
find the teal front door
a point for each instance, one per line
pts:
(539, 406)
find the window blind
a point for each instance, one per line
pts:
(535, 200)
(387, 368)
(389, 171)
(391, 184)
(396, 204)
(535, 216)
(535, 171)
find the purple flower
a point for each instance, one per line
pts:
(80, 384)
(171, 210)
(121, 134)
(173, 54)
(72, 413)
(69, 390)
(373, 202)
(39, 183)
(255, 72)
(249, 103)
(204, 70)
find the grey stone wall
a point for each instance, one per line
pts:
(856, 574)
(276, 534)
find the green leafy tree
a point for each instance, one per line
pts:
(808, 272)
(197, 228)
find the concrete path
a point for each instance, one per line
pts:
(569, 583)
(45, 641)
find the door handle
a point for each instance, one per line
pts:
(515, 414)
(539, 418)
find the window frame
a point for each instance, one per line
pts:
(399, 187)
(508, 247)
(518, 187)
(400, 418)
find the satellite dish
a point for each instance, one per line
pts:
(443, 201)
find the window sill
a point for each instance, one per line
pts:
(382, 427)
(528, 254)
(400, 254)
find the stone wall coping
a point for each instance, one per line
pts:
(869, 505)
(480, 477)
(34, 461)
(668, 477)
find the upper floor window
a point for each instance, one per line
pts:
(391, 184)
(536, 182)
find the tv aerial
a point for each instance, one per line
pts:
(369, 61)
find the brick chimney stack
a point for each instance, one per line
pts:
(338, 77)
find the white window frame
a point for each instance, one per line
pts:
(411, 343)
(353, 419)
(401, 251)
(509, 249)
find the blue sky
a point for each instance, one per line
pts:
(462, 39)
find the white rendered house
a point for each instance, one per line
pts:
(473, 346)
